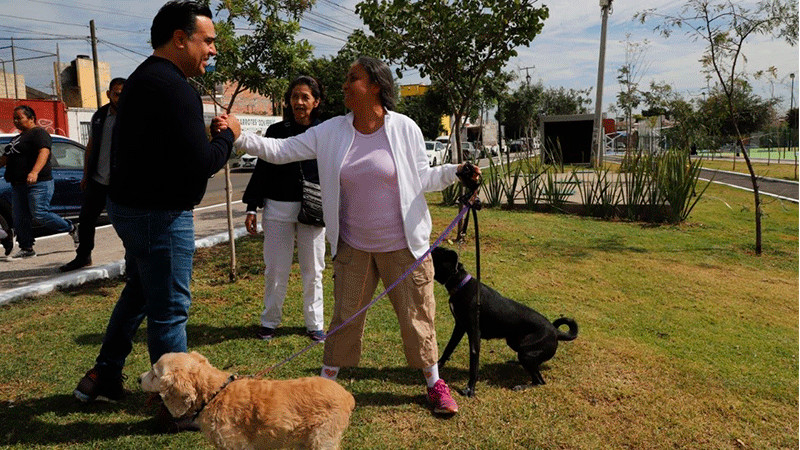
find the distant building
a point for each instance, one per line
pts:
(247, 102)
(412, 90)
(77, 82)
(7, 90)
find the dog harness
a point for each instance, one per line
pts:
(230, 380)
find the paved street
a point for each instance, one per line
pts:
(40, 274)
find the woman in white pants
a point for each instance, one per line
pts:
(278, 190)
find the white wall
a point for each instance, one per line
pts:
(79, 119)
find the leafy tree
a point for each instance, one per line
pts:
(751, 113)
(426, 110)
(256, 46)
(791, 119)
(258, 57)
(724, 26)
(330, 71)
(519, 112)
(461, 45)
(629, 76)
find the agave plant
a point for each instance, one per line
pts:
(677, 182)
(600, 194)
(494, 183)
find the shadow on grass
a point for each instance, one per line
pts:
(499, 375)
(199, 334)
(61, 419)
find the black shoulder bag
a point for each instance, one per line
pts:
(311, 203)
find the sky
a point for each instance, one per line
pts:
(565, 54)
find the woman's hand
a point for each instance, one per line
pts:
(250, 224)
(225, 121)
(33, 177)
(469, 175)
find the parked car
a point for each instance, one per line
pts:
(247, 161)
(436, 152)
(66, 159)
(468, 151)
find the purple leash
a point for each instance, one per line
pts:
(413, 267)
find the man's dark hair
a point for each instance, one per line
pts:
(116, 81)
(176, 15)
(28, 111)
(380, 74)
(317, 91)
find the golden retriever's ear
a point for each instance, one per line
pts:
(178, 393)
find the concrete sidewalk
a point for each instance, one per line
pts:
(20, 278)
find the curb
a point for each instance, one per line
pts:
(106, 271)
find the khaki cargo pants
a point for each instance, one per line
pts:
(356, 275)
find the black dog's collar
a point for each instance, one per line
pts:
(230, 380)
(461, 284)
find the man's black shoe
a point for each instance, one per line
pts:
(8, 243)
(76, 263)
(100, 386)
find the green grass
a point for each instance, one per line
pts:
(687, 340)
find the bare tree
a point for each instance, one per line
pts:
(629, 75)
(724, 26)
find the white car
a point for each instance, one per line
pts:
(436, 152)
(246, 161)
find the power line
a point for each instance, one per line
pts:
(348, 26)
(324, 34)
(109, 43)
(328, 26)
(25, 30)
(106, 11)
(113, 47)
(72, 24)
(343, 8)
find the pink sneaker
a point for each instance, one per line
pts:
(439, 396)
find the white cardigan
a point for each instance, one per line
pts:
(330, 141)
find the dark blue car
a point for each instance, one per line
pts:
(66, 158)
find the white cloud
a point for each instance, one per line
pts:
(565, 54)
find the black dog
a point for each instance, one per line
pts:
(526, 331)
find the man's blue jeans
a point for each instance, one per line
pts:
(31, 204)
(159, 248)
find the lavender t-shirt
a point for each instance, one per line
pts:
(369, 211)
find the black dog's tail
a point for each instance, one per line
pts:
(573, 328)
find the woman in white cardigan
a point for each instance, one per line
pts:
(374, 174)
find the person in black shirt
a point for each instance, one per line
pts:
(28, 170)
(96, 174)
(161, 160)
(278, 190)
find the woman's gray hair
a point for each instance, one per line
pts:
(380, 74)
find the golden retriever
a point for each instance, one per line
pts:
(251, 413)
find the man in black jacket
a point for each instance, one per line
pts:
(161, 160)
(96, 175)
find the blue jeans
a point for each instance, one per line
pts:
(30, 205)
(159, 248)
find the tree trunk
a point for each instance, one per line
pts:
(756, 196)
(459, 159)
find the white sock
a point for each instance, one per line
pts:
(431, 374)
(329, 372)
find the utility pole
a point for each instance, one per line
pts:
(605, 5)
(57, 74)
(96, 65)
(5, 79)
(527, 75)
(791, 125)
(14, 64)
